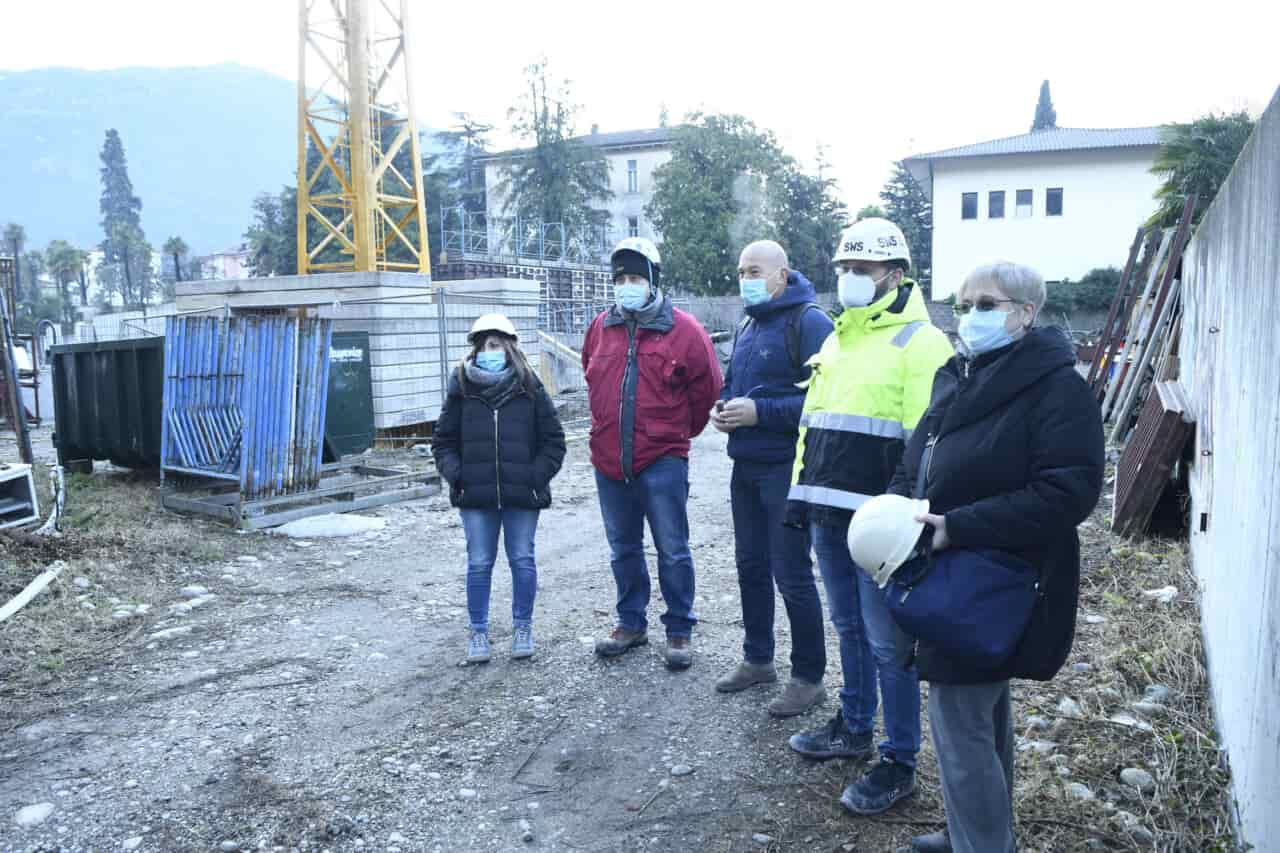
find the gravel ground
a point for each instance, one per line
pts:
(244, 691)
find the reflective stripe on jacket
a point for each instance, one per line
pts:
(871, 383)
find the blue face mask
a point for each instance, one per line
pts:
(984, 331)
(632, 297)
(491, 360)
(754, 291)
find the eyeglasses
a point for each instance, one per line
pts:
(984, 303)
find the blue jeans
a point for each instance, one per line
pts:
(659, 493)
(770, 553)
(518, 527)
(871, 644)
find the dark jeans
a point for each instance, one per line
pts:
(972, 726)
(770, 553)
(871, 645)
(659, 493)
(518, 527)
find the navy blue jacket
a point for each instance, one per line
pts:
(761, 368)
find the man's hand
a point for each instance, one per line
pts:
(717, 420)
(941, 541)
(740, 412)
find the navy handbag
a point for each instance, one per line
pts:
(973, 605)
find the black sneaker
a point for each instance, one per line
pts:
(834, 740)
(877, 791)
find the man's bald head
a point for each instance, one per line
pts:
(767, 260)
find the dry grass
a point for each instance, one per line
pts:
(117, 537)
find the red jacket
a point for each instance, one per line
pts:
(649, 395)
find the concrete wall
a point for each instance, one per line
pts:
(410, 326)
(1107, 194)
(1232, 376)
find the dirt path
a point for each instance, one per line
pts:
(316, 703)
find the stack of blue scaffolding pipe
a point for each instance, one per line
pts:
(244, 401)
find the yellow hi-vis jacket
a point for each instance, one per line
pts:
(870, 385)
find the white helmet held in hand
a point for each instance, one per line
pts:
(487, 323)
(873, 239)
(883, 533)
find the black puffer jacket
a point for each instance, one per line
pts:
(1017, 464)
(497, 445)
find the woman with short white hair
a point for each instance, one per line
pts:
(1011, 451)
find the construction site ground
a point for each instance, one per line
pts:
(314, 699)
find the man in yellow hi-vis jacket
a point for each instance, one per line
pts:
(870, 384)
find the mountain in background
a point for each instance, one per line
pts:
(201, 143)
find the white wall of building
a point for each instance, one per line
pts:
(1107, 194)
(625, 203)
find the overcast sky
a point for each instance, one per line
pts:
(873, 82)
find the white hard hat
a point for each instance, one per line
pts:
(491, 323)
(883, 534)
(872, 239)
(637, 256)
(642, 246)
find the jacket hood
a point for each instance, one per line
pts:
(898, 307)
(798, 291)
(996, 377)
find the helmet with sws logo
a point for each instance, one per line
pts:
(873, 239)
(637, 256)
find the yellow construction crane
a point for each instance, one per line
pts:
(355, 117)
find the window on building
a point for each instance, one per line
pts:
(1053, 201)
(633, 226)
(1023, 210)
(968, 205)
(633, 177)
(995, 204)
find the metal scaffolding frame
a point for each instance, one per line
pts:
(475, 234)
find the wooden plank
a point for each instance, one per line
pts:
(1142, 473)
(1116, 301)
(1153, 342)
(1130, 328)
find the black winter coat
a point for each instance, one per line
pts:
(1017, 464)
(497, 450)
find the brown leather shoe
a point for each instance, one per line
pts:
(679, 652)
(620, 641)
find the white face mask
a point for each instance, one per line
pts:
(857, 290)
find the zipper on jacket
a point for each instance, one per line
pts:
(931, 446)
(497, 457)
(633, 333)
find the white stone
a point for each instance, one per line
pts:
(1094, 619)
(82, 583)
(1080, 791)
(1132, 722)
(193, 591)
(467, 793)
(761, 838)
(33, 815)
(1070, 709)
(397, 838)
(132, 843)
(1136, 777)
(681, 770)
(1164, 595)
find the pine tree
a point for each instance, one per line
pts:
(906, 206)
(1046, 115)
(122, 224)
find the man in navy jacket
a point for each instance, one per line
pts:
(760, 410)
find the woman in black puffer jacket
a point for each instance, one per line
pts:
(1013, 454)
(498, 443)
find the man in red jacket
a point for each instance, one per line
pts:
(652, 378)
